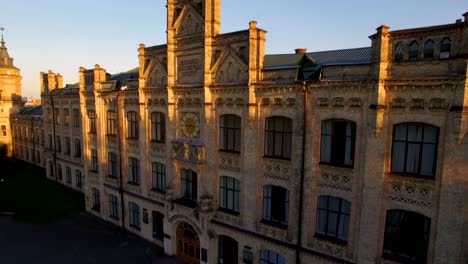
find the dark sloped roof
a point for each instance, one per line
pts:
(128, 75)
(332, 57)
(32, 111)
(67, 90)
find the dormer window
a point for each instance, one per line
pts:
(445, 48)
(429, 50)
(413, 51)
(399, 50)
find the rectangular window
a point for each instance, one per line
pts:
(414, 149)
(96, 200)
(158, 225)
(68, 175)
(158, 127)
(189, 184)
(271, 257)
(134, 215)
(58, 144)
(333, 219)
(132, 120)
(337, 142)
(94, 160)
(78, 179)
(51, 143)
(66, 117)
(77, 148)
(57, 116)
(278, 137)
(59, 172)
(112, 164)
(76, 118)
(67, 146)
(111, 123)
(3, 130)
(229, 194)
(134, 170)
(159, 177)
(92, 121)
(230, 133)
(275, 204)
(113, 207)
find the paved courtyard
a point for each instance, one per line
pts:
(77, 239)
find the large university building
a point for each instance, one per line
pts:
(220, 153)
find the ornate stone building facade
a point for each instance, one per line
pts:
(222, 154)
(10, 96)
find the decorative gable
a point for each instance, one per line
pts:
(189, 22)
(230, 68)
(155, 74)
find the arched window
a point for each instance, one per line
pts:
(111, 123)
(429, 50)
(275, 204)
(399, 51)
(406, 236)
(230, 133)
(158, 127)
(413, 51)
(445, 48)
(132, 121)
(278, 137)
(338, 140)
(229, 194)
(414, 149)
(333, 215)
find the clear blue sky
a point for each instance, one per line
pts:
(64, 35)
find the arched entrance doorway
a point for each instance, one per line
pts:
(188, 244)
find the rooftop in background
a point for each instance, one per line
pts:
(31, 111)
(324, 58)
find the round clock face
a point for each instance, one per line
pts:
(190, 125)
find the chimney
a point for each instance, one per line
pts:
(44, 82)
(301, 51)
(51, 80)
(59, 80)
(466, 17)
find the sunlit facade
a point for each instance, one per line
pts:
(220, 153)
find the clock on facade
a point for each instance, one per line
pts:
(190, 125)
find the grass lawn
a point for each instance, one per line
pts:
(25, 191)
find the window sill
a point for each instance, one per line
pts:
(113, 217)
(96, 209)
(186, 202)
(112, 177)
(398, 258)
(93, 171)
(228, 211)
(111, 135)
(159, 237)
(276, 157)
(411, 175)
(330, 239)
(274, 224)
(133, 183)
(135, 227)
(336, 165)
(229, 151)
(157, 141)
(158, 191)
(132, 138)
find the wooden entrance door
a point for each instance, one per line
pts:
(188, 244)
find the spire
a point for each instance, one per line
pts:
(5, 59)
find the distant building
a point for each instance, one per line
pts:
(220, 153)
